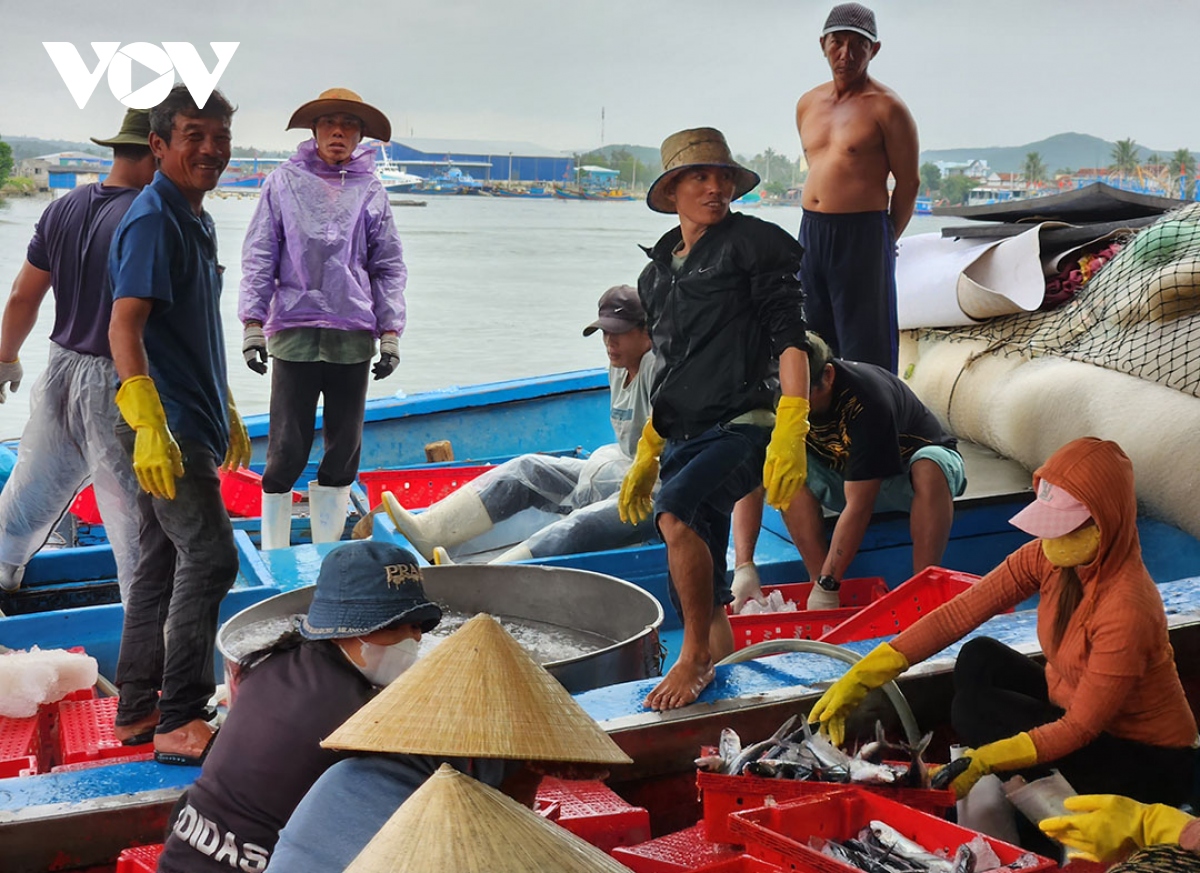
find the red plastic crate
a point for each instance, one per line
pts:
(685, 850)
(85, 732)
(241, 492)
(104, 762)
(804, 624)
(139, 859)
(19, 745)
(417, 489)
(739, 864)
(724, 794)
(84, 507)
(780, 834)
(900, 608)
(593, 812)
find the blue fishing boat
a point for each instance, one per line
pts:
(83, 818)
(452, 181)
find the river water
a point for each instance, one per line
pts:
(497, 288)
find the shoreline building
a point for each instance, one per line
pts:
(486, 160)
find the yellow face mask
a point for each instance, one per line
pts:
(1071, 550)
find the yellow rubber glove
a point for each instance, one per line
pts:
(1012, 753)
(635, 504)
(156, 457)
(1109, 826)
(238, 453)
(878, 667)
(786, 467)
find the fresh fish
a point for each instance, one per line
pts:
(943, 777)
(871, 774)
(964, 860)
(918, 770)
(890, 838)
(729, 746)
(756, 751)
(826, 752)
(711, 763)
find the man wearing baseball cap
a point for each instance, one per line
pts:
(582, 491)
(70, 437)
(855, 132)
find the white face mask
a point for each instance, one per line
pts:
(383, 664)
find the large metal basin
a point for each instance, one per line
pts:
(581, 600)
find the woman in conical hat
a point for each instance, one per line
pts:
(454, 823)
(478, 702)
(367, 616)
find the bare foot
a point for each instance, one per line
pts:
(681, 686)
(189, 741)
(141, 730)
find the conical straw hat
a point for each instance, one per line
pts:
(478, 694)
(454, 823)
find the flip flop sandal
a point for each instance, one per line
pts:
(180, 760)
(139, 739)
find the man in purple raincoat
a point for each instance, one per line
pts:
(323, 278)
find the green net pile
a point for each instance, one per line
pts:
(1139, 315)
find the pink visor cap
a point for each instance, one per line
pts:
(1053, 513)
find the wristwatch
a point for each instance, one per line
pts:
(829, 583)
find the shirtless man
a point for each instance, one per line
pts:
(854, 131)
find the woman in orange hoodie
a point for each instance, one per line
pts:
(1107, 710)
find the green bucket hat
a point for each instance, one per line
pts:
(135, 130)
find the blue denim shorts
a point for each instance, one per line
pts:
(896, 493)
(702, 478)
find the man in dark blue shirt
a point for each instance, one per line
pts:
(166, 337)
(70, 436)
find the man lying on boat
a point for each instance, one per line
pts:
(873, 446)
(723, 302)
(584, 492)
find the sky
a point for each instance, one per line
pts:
(973, 72)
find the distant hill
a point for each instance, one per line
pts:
(1064, 150)
(647, 155)
(30, 147)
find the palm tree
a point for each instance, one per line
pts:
(1183, 165)
(1034, 169)
(768, 156)
(1125, 158)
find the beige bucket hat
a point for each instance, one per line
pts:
(478, 694)
(453, 822)
(375, 123)
(698, 147)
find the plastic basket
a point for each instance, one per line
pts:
(241, 492)
(85, 732)
(724, 794)
(19, 746)
(739, 864)
(900, 608)
(780, 834)
(84, 506)
(804, 624)
(418, 488)
(681, 851)
(593, 812)
(139, 859)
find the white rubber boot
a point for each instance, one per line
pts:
(327, 511)
(11, 576)
(276, 521)
(449, 522)
(441, 558)
(519, 552)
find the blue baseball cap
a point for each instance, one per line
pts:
(364, 587)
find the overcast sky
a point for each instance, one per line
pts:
(973, 72)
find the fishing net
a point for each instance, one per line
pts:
(1132, 307)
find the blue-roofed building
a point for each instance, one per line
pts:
(486, 160)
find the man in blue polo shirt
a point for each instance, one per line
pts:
(168, 345)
